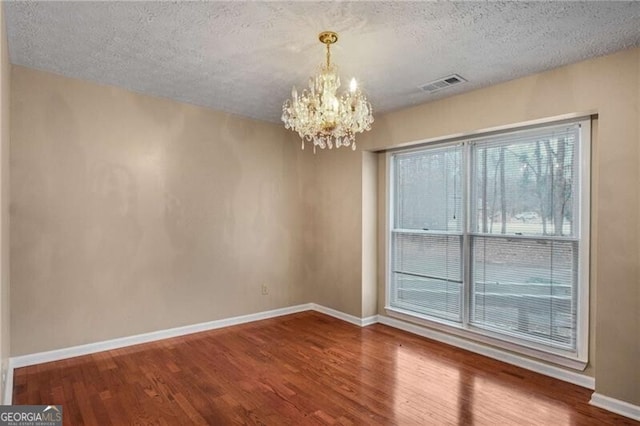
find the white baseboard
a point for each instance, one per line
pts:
(8, 385)
(510, 358)
(615, 405)
(373, 319)
(90, 348)
(360, 322)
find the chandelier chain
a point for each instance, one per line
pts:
(328, 55)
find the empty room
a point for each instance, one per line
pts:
(309, 213)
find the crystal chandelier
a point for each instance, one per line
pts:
(319, 115)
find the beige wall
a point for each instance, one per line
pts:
(637, 328)
(5, 74)
(369, 234)
(333, 203)
(609, 86)
(132, 214)
(343, 236)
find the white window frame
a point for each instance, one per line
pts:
(577, 359)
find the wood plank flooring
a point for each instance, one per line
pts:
(302, 369)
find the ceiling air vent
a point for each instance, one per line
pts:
(442, 83)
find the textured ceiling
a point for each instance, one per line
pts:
(243, 57)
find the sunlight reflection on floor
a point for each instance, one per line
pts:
(469, 398)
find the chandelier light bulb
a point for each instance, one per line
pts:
(353, 85)
(322, 116)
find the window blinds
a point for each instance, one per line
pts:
(486, 234)
(525, 288)
(524, 242)
(427, 233)
(525, 183)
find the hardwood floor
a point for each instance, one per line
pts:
(302, 369)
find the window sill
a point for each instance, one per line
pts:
(476, 335)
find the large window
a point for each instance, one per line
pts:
(489, 236)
